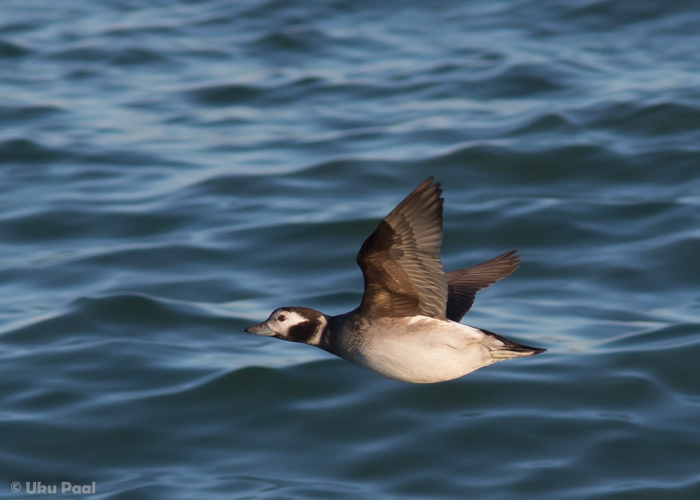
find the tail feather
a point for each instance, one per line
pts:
(509, 349)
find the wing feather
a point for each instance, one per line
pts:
(400, 262)
(463, 284)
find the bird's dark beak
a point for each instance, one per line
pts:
(260, 329)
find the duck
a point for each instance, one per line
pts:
(408, 324)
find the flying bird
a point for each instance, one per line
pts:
(407, 326)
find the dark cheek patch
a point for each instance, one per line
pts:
(301, 332)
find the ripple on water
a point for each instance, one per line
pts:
(173, 172)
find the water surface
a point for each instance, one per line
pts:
(173, 171)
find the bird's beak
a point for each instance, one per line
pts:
(260, 329)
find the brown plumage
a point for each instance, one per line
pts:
(463, 284)
(400, 263)
(402, 269)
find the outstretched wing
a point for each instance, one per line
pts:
(400, 263)
(463, 284)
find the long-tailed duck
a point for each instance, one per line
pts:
(408, 325)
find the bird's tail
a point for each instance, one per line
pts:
(507, 349)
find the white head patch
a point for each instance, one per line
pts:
(297, 324)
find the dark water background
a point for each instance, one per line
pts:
(172, 171)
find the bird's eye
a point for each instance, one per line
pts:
(281, 317)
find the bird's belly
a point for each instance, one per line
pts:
(424, 357)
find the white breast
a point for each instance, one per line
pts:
(422, 349)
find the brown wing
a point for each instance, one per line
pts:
(400, 263)
(463, 284)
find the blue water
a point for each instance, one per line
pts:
(170, 172)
